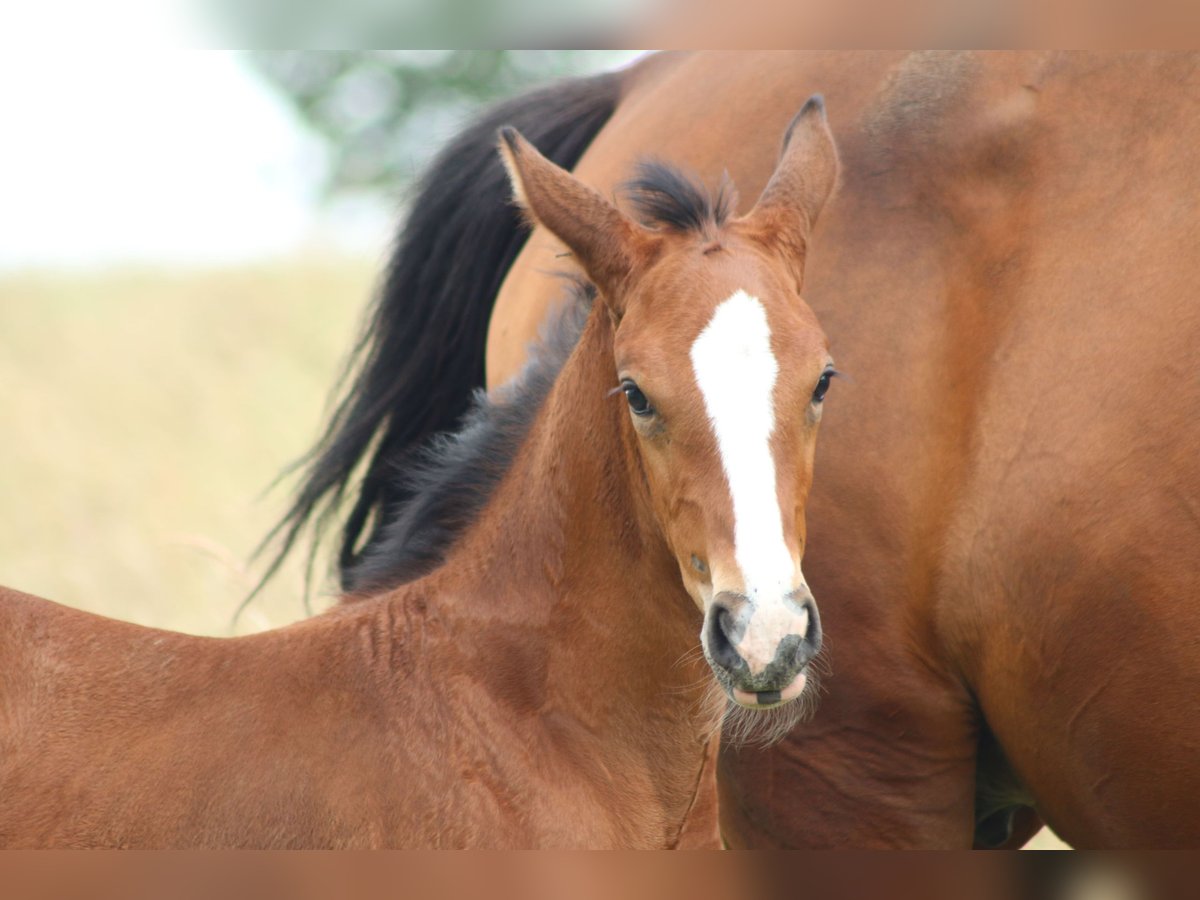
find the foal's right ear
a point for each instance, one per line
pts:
(602, 239)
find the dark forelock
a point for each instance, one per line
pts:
(665, 197)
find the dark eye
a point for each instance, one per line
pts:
(637, 400)
(823, 385)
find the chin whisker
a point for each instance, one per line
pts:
(760, 727)
(743, 727)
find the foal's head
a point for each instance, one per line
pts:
(724, 370)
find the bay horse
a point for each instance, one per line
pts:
(1006, 525)
(632, 562)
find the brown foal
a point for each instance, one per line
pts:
(543, 686)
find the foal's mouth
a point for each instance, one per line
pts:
(771, 699)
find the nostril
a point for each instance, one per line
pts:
(810, 646)
(720, 647)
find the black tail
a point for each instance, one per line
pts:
(420, 356)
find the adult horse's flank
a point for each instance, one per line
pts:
(1006, 522)
(541, 687)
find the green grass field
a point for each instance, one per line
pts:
(144, 415)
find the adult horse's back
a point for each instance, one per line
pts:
(1004, 525)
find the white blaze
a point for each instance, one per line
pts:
(735, 370)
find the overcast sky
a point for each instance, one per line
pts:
(176, 155)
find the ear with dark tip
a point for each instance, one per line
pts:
(803, 180)
(601, 238)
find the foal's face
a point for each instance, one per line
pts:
(724, 371)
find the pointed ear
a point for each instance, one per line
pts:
(601, 238)
(803, 181)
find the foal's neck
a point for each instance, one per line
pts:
(568, 569)
(569, 538)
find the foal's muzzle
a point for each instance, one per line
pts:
(770, 678)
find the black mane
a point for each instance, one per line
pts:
(451, 479)
(420, 355)
(665, 197)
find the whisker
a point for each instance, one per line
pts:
(688, 688)
(689, 656)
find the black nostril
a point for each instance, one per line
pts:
(720, 647)
(810, 646)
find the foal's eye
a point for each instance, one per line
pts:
(823, 385)
(637, 400)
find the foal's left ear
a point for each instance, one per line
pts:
(803, 181)
(601, 237)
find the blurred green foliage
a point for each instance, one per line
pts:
(383, 113)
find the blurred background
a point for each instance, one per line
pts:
(188, 235)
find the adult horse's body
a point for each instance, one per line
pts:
(1005, 526)
(543, 685)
